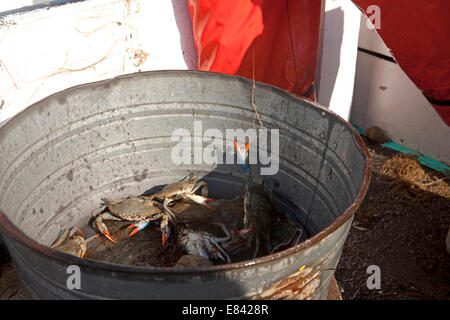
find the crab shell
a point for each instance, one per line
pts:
(180, 188)
(75, 245)
(133, 209)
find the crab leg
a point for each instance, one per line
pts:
(216, 241)
(221, 250)
(102, 227)
(199, 199)
(201, 185)
(188, 177)
(213, 246)
(240, 240)
(200, 250)
(98, 211)
(166, 208)
(242, 156)
(138, 226)
(225, 230)
(164, 227)
(92, 237)
(75, 230)
(63, 235)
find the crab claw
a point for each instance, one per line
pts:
(101, 225)
(63, 235)
(164, 227)
(107, 235)
(200, 200)
(164, 237)
(242, 155)
(165, 234)
(137, 227)
(240, 149)
(245, 232)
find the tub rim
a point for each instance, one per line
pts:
(8, 229)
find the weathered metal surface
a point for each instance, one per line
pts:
(301, 285)
(113, 138)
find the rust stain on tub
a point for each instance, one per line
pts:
(301, 285)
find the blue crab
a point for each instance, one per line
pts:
(72, 242)
(139, 210)
(144, 209)
(203, 243)
(259, 213)
(184, 189)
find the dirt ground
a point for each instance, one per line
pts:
(400, 227)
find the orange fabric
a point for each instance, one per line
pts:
(418, 33)
(223, 31)
(280, 38)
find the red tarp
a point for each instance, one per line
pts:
(282, 36)
(418, 34)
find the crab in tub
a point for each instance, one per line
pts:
(203, 243)
(72, 242)
(197, 229)
(139, 210)
(198, 233)
(259, 213)
(144, 209)
(184, 189)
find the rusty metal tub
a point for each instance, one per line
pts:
(113, 137)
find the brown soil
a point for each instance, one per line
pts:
(10, 286)
(400, 227)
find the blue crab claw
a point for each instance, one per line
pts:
(166, 232)
(107, 235)
(199, 199)
(165, 229)
(102, 227)
(164, 235)
(137, 227)
(242, 156)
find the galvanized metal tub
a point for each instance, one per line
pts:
(113, 137)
